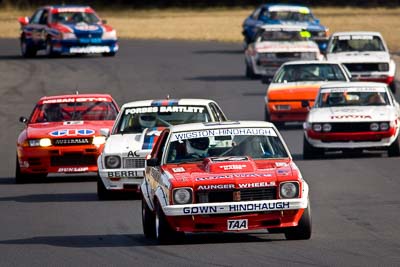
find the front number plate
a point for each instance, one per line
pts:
(235, 225)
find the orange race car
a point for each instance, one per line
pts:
(294, 87)
(62, 135)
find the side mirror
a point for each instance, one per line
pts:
(23, 119)
(152, 162)
(104, 21)
(105, 132)
(317, 21)
(23, 20)
(305, 103)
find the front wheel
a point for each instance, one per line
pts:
(27, 50)
(49, 51)
(304, 228)
(394, 148)
(164, 232)
(310, 152)
(20, 178)
(110, 54)
(102, 192)
(148, 221)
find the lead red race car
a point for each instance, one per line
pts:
(223, 177)
(62, 135)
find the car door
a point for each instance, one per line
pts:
(32, 30)
(42, 28)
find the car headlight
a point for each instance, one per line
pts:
(112, 162)
(326, 127)
(383, 66)
(182, 196)
(98, 140)
(111, 35)
(374, 126)
(384, 126)
(68, 36)
(44, 142)
(317, 127)
(289, 190)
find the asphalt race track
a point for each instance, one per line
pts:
(59, 222)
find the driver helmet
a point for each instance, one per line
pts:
(147, 120)
(197, 146)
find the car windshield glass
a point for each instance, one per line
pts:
(352, 97)
(309, 72)
(74, 18)
(136, 119)
(356, 43)
(74, 111)
(257, 143)
(290, 16)
(279, 35)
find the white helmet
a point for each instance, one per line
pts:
(147, 120)
(197, 146)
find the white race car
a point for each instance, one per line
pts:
(275, 45)
(352, 117)
(365, 54)
(137, 127)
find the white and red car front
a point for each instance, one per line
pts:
(365, 54)
(344, 118)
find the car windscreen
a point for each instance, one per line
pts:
(74, 18)
(280, 35)
(290, 16)
(309, 72)
(349, 43)
(136, 119)
(74, 111)
(352, 97)
(257, 143)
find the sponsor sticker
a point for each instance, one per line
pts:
(72, 132)
(77, 169)
(179, 169)
(235, 225)
(125, 174)
(164, 109)
(78, 99)
(90, 49)
(356, 89)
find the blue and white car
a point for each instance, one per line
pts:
(285, 14)
(66, 29)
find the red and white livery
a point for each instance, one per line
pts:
(352, 117)
(222, 177)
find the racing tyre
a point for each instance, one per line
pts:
(27, 51)
(20, 178)
(310, 152)
(148, 221)
(303, 230)
(111, 54)
(250, 73)
(102, 192)
(394, 148)
(163, 231)
(49, 52)
(393, 87)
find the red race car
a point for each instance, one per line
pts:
(223, 177)
(62, 135)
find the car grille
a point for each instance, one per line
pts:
(350, 127)
(358, 67)
(249, 194)
(71, 141)
(73, 159)
(132, 163)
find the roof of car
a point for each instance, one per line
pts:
(218, 125)
(285, 27)
(304, 62)
(168, 102)
(357, 33)
(353, 84)
(286, 7)
(108, 96)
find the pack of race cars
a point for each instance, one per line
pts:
(196, 170)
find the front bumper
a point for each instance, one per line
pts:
(70, 159)
(122, 179)
(215, 217)
(288, 111)
(86, 47)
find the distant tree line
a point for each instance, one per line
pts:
(199, 3)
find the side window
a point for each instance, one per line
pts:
(255, 13)
(36, 16)
(218, 111)
(214, 112)
(43, 18)
(159, 147)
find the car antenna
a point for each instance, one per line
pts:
(168, 96)
(77, 92)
